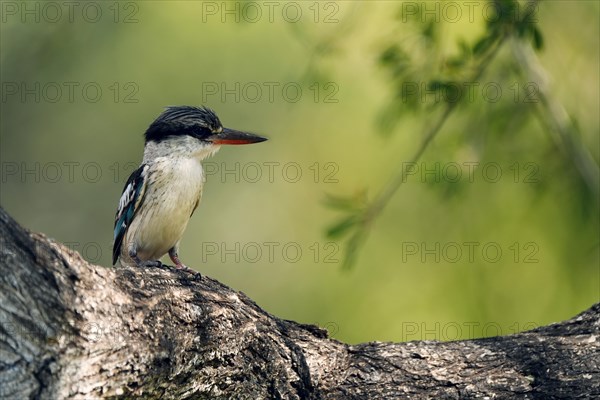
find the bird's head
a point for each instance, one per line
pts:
(194, 130)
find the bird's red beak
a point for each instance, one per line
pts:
(231, 136)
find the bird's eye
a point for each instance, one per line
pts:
(201, 132)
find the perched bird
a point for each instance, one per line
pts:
(161, 195)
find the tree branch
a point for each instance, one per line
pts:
(376, 206)
(69, 329)
(552, 114)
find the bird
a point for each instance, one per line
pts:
(160, 196)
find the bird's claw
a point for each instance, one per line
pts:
(178, 266)
(181, 267)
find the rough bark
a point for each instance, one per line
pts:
(69, 329)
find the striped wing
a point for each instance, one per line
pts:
(132, 197)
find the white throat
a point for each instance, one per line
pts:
(179, 147)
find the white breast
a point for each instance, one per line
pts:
(174, 187)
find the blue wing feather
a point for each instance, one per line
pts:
(131, 198)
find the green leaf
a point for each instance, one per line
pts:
(465, 50)
(429, 31)
(436, 85)
(455, 62)
(483, 44)
(349, 258)
(351, 249)
(342, 227)
(391, 55)
(505, 11)
(395, 60)
(538, 39)
(350, 203)
(339, 202)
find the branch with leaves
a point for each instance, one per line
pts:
(452, 79)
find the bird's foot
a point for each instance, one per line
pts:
(181, 266)
(195, 274)
(146, 263)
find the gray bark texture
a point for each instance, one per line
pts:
(73, 330)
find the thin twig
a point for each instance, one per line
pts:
(383, 198)
(552, 114)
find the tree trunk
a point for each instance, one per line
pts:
(69, 329)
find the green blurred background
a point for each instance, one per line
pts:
(67, 149)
